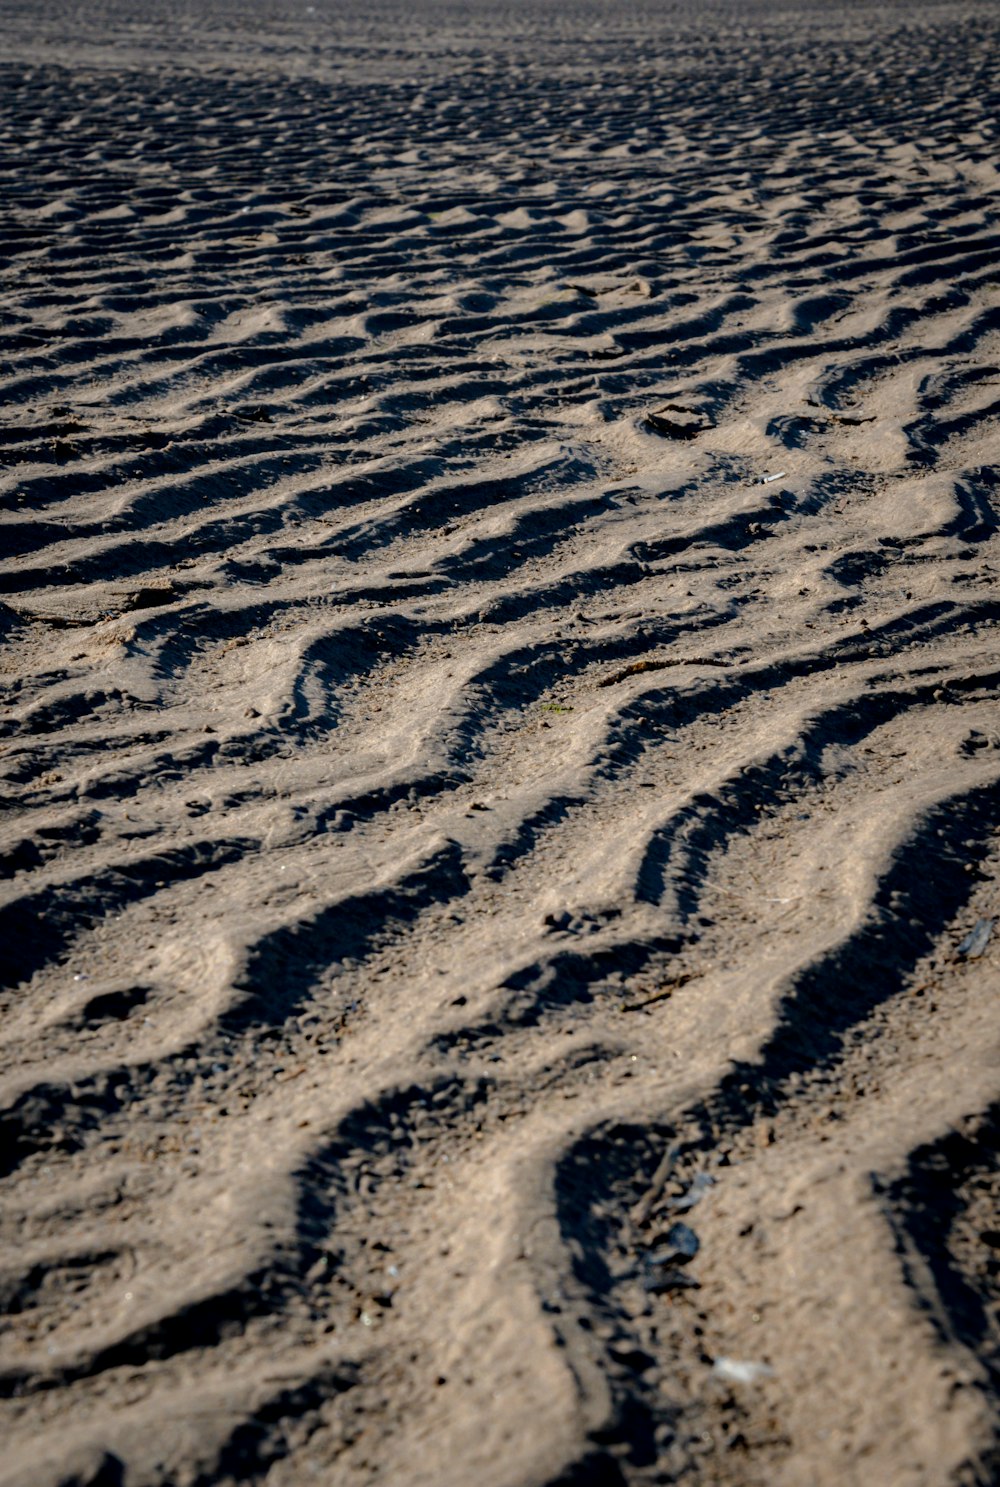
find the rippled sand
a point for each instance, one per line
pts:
(501, 742)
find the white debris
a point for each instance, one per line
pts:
(736, 1372)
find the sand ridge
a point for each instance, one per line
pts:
(500, 745)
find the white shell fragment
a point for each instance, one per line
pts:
(734, 1371)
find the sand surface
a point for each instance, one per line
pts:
(500, 745)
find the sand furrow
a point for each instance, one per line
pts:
(500, 744)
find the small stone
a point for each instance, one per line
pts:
(978, 938)
(680, 1244)
(675, 422)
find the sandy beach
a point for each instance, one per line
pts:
(500, 833)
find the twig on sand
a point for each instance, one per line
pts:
(650, 1198)
(662, 994)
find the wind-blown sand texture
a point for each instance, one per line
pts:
(501, 743)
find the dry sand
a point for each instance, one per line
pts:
(500, 746)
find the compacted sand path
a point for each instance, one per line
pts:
(500, 745)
